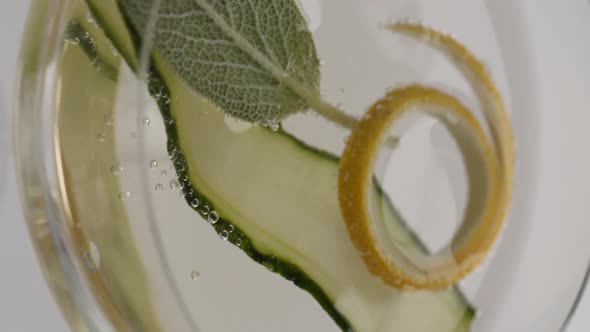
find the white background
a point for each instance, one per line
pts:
(25, 303)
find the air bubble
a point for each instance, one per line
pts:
(213, 217)
(274, 126)
(162, 98)
(172, 154)
(231, 228)
(116, 169)
(89, 17)
(205, 210)
(239, 242)
(164, 172)
(153, 164)
(269, 266)
(195, 275)
(124, 195)
(224, 235)
(174, 185)
(72, 40)
(101, 137)
(147, 121)
(195, 203)
(159, 187)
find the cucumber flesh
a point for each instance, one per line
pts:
(281, 197)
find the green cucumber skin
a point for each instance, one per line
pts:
(158, 89)
(75, 30)
(289, 271)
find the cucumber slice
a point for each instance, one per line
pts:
(259, 182)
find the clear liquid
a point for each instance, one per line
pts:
(154, 248)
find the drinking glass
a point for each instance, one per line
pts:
(129, 240)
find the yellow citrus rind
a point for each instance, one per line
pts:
(488, 163)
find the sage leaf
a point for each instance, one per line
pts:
(255, 59)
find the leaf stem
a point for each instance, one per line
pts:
(321, 107)
(337, 116)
